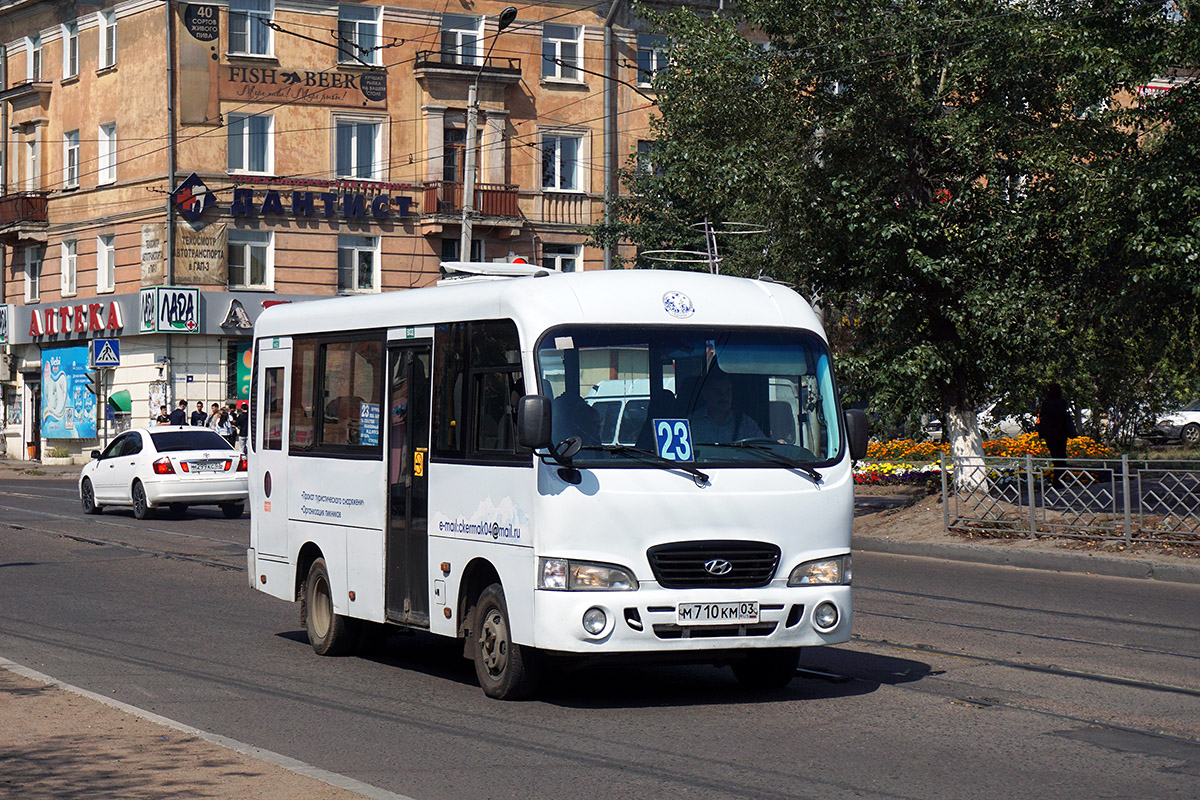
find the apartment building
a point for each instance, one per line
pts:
(170, 169)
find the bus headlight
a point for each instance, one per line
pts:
(561, 574)
(823, 572)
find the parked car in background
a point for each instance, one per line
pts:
(1177, 426)
(991, 424)
(175, 466)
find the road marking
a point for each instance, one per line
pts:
(277, 759)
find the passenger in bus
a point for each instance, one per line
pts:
(715, 419)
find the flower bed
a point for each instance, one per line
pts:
(907, 450)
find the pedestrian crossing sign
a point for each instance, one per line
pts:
(106, 352)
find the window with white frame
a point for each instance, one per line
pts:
(651, 57)
(33, 273)
(249, 142)
(358, 263)
(248, 32)
(108, 39)
(106, 161)
(68, 269)
(71, 159)
(70, 53)
(647, 157)
(561, 257)
(561, 52)
(33, 163)
(106, 263)
(359, 149)
(33, 60)
(460, 39)
(560, 161)
(358, 34)
(251, 254)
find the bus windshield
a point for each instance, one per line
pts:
(760, 397)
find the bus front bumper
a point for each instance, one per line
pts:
(655, 620)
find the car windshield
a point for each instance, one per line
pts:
(759, 397)
(1192, 406)
(176, 441)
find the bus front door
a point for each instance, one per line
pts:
(407, 590)
(268, 449)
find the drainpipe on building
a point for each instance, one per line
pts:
(610, 123)
(3, 165)
(172, 156)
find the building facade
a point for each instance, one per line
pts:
(171, 169)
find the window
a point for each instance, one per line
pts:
(358, 263)
(651, 57)
(248, 33)
(273, 409)
(450, 249)
(250, 259)
(560, 162)
(71, 159)
(561, 52)
(250, 143)
(33, 164)
(106, 264)
(561, 257)
(70, 54)
(358, 150)
(343, 380)
(106, 162)
(33, 273)
(108, 39)
(68, 269)
(33, 64)
(646, 157)
(358, 34)
(477, 367)
(454, 147)
(460, 39)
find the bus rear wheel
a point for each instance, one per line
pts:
(767, 669)
(329, 633)
(506, 670)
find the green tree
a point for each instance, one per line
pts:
(958, 183)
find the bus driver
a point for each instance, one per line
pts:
(716, 420)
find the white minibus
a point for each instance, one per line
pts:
(427, 459)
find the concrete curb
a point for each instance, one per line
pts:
(1088, 563)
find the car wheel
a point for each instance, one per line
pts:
(141, 506)
(506, 670)
(87, 496)
(329, 633)
(232, 510)
(1190, 434)
(179, 509)
(767, 669)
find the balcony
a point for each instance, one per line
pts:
(21, 215)
(455, 64)
(491, 199)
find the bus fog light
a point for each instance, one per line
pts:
(594, 621)
(825, 616)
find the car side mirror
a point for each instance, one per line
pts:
(857, 433)
(533, 421)
(95, 454)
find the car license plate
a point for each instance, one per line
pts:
(208, 466)
(744, 613)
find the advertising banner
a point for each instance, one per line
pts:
(167, 309)
(245, 357)
(68, 408)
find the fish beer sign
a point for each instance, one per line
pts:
(167, 309)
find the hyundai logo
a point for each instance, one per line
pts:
(718, 566)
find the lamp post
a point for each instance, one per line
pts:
(468, 206)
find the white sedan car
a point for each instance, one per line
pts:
(1182, 425)
(173, 466)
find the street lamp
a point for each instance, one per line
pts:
(468, 207)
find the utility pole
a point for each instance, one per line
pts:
(610, 123)
(468, 205)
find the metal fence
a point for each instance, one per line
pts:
(1119, 499)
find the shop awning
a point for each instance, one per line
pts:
(121, 401)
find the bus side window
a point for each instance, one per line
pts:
(449, 366)
(304, 363)
(272, 409)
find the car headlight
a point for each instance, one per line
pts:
(823, 572)
(561, 574)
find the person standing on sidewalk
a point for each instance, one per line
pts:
(198, 416)
(1055, 425)
(179, 415)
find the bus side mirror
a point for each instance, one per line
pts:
(856, 433)
(533, 421)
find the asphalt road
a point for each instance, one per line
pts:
(964, 680)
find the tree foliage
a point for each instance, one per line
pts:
(974, 190)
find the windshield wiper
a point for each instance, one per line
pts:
(771, 455)
(649, 457)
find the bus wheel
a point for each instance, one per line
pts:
(506, 670)
(767, 669)
(329, 634)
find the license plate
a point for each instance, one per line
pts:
(744, 613)
(208, 466)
